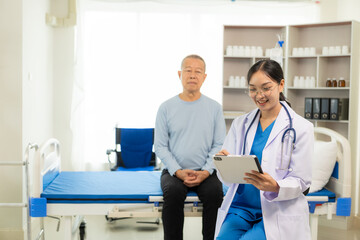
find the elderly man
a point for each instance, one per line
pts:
(189, 130)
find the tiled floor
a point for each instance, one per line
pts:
(98, 228)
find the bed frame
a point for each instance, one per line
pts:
(339, 183)
(48, 160)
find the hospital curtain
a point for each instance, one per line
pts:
(129, 52)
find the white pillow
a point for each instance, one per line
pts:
(323, 164)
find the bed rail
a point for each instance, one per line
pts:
(25, 204)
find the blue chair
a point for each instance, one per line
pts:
(134, 150)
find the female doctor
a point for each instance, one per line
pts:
(272, 206)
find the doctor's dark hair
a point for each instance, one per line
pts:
(272, 69)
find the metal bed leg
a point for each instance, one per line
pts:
(68, 227)
(82, 230)
(42, 228)
(314, 220)
(41, 234)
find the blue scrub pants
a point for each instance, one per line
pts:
(235, 227)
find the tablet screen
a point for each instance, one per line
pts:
(233, 168)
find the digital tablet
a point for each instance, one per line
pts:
(232, 168)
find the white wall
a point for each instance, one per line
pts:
(25, 96)
(63, 78)
(11, 114)
(37, 78)
(339, 10)
(350, 10)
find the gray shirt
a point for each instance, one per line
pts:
(188, 134)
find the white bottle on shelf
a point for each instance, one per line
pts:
(235, 51)
(296, 81)
(242, 82)
(237, 81)
(312, 82)
(247, 51)
(231, 81)
(307, 82)
(312, 51)
(259, 51)
(295, 52)
(241, 51)
(325, 51)
(229, 51)
(301, 82)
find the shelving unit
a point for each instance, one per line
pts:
(320, 66)
(237, 99)
(323, 67)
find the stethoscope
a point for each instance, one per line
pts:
(288, 130)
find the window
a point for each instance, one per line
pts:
(132, 52)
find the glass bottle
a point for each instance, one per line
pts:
(328, 82)
(341, 82)
(334, 82)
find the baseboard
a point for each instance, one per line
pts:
(338, 222)
(356, 222)
(13, 234)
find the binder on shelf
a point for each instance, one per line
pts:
(325, 107)
(343, 109)
(316, 108)
(308, 108)
(334, 109)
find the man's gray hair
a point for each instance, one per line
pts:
(193, 56)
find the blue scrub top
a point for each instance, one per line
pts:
(246, 202)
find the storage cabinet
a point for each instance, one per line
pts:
(325, 61)
(235, 99)
(324, 65)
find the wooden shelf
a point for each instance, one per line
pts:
(320, 89)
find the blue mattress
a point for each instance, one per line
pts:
(114, 187)
(104, 187)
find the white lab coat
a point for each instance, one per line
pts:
(286, 214)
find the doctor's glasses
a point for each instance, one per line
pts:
(263, 91)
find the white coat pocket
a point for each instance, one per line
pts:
(294, 227)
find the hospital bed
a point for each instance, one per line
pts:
(138, 194)
(115, 194)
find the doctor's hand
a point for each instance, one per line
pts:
(223, 152)
(262, 181)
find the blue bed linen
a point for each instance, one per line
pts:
(49, 177)
(105, 187)
(85, 187)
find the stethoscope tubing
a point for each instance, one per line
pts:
(290, 129)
